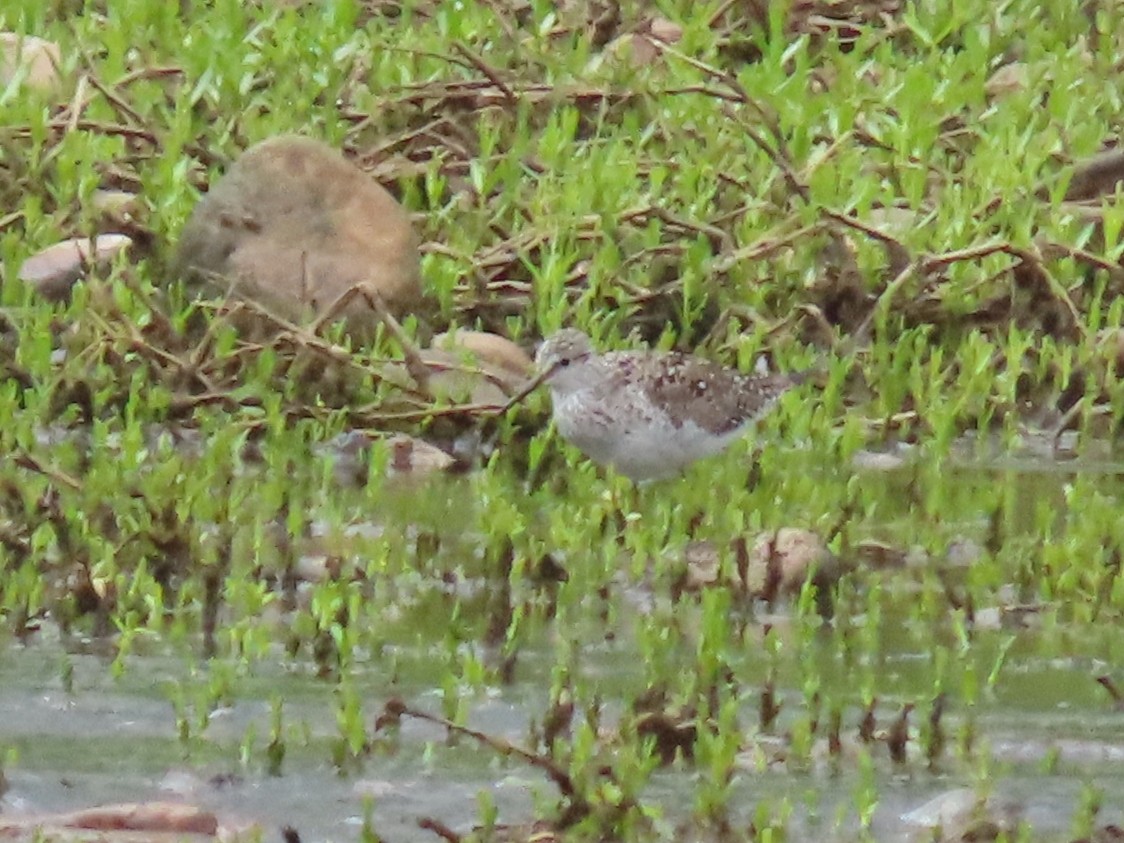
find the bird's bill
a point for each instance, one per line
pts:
(529, 387)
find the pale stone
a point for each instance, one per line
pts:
(54, 270)
(490, 349)
(35, 59)
(475, 367)
(781, 561)
(116, 206)
(1008, 79)
(415, 456)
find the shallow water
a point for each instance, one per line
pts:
(1046, 734)
(115, 740)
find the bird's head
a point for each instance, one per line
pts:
(561, 358)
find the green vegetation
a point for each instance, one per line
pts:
(873, 205)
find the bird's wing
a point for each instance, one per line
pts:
(713, 397)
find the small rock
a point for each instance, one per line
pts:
(457, 379)
(864, 460)
(476, 367)
(491, 349)
(116, 206)
(778, 563)
(292, 226)
(963, 553)
(36, 59)
(1099, 175)
(989, 617)
(950, 807)
(642, 46)
(53, 271)
(665, 30)
(376, 788)
(317, 567)
(878, 555)
(781, 561)
(144, 816)
(961, 815)
(415, 456)
(702, 565)
(1009, 79)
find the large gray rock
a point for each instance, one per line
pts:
(292, 226)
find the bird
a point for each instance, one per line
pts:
(650, 414)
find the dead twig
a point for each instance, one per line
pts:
(720, 240)
(898, 254)
(417, 368)
(395, 709)
(24, 459)
(490, 72)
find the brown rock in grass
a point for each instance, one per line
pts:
(490, 349)
(776, 564)
(144, 816)
(465, 367)
(781, 561)
(1099, 175)
(127, 823)
(34, 58)
(476, 367)
(292, 226)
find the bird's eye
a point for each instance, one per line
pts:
(565, 361)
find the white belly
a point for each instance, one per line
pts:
(638, 442)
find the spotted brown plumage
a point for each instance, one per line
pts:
(650, 414)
